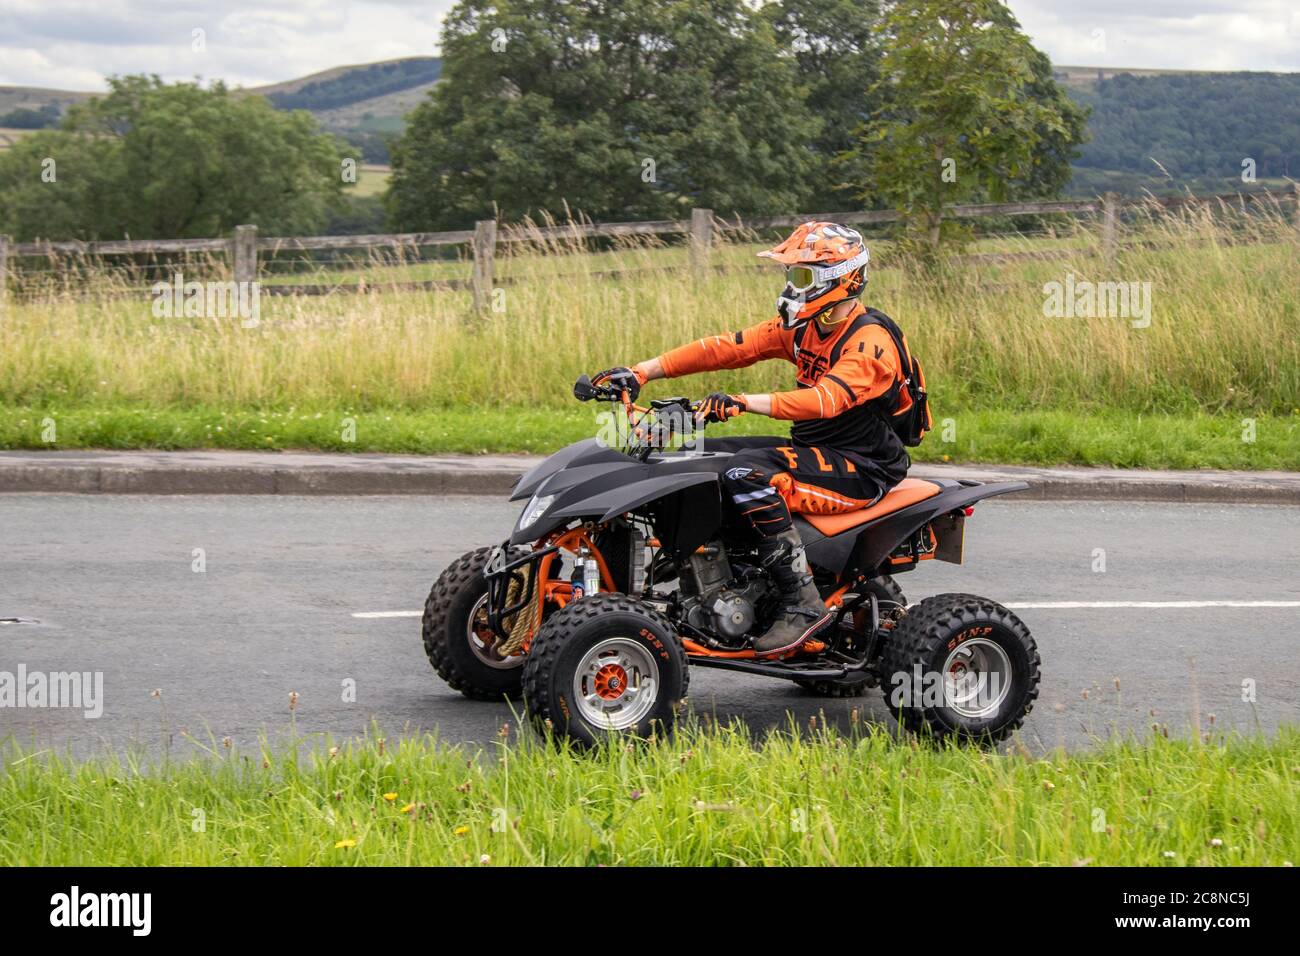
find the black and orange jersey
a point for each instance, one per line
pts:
(839, 371)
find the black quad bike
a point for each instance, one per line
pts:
(625, 568)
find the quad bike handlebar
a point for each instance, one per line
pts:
(584, 390)
(670, 415)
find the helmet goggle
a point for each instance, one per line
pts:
(803, 277)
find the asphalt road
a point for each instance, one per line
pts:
(111, 581)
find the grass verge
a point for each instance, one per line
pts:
(1038, 437)
(702, 798)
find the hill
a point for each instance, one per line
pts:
(1169, 131)
(362, 102)
(1158, 130)
(353, 85)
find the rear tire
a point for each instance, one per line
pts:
(456, 638)
(886, 589)
(605, 664)
(960, 642)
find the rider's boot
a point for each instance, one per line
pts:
(802, 612)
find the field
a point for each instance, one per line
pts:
(705, 797)
(1208, 376)
(8, 137)
(371, 180)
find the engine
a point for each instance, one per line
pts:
(723, 601)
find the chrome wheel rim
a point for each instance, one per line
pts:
(483, 642)
(616, 684)
(977, 678)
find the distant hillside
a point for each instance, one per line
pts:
(36, 98)
(1167, 131)
(384, 114)
(352, 85)
(364, 103)
(1197, 125)
(1086, 77)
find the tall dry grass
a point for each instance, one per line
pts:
(1224, 332)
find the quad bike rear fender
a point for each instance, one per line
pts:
(864, 550)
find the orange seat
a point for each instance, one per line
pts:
(907, 492)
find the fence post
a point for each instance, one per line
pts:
(485, 248)
(701, 240)
(1109, 224)
(4, 264)
(244, 253)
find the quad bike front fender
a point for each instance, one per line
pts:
(589, 450)
(617, 500)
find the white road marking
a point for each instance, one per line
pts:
(1015, 606)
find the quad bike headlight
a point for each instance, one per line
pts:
(536, 508)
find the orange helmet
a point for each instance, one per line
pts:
(826, 264)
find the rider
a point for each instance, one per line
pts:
(842, 454)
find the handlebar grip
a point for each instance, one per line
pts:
(583, 390)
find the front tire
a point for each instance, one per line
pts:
(605, 664)
(457, 639)
(961, 666)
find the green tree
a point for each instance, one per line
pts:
(617, 109)
(1060, 131)
(966, 112)
(151, 160)
(1195, 126)
(836, 50)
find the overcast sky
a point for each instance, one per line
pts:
(74, 44)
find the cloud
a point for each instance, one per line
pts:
(75, 44)
(1166, 34)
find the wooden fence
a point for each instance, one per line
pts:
(245, 246)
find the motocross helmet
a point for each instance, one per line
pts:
(825, 264)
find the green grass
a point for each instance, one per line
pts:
(423, 372)
(371, 180)
(1049, 437)
(710, 798)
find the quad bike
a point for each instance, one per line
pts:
(625, 568)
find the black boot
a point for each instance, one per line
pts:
(803, 612)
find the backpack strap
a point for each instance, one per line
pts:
(862, 321)
(907, 367)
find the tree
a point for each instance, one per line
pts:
(617, 109)
(151, 160)
(966, 112)
(23, 118)
(1058, 142)
(836, 51)
(1196, 126)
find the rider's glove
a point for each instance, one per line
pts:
(720, 406)
(622, 379)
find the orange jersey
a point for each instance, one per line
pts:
(838, 372)
(849, 365)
